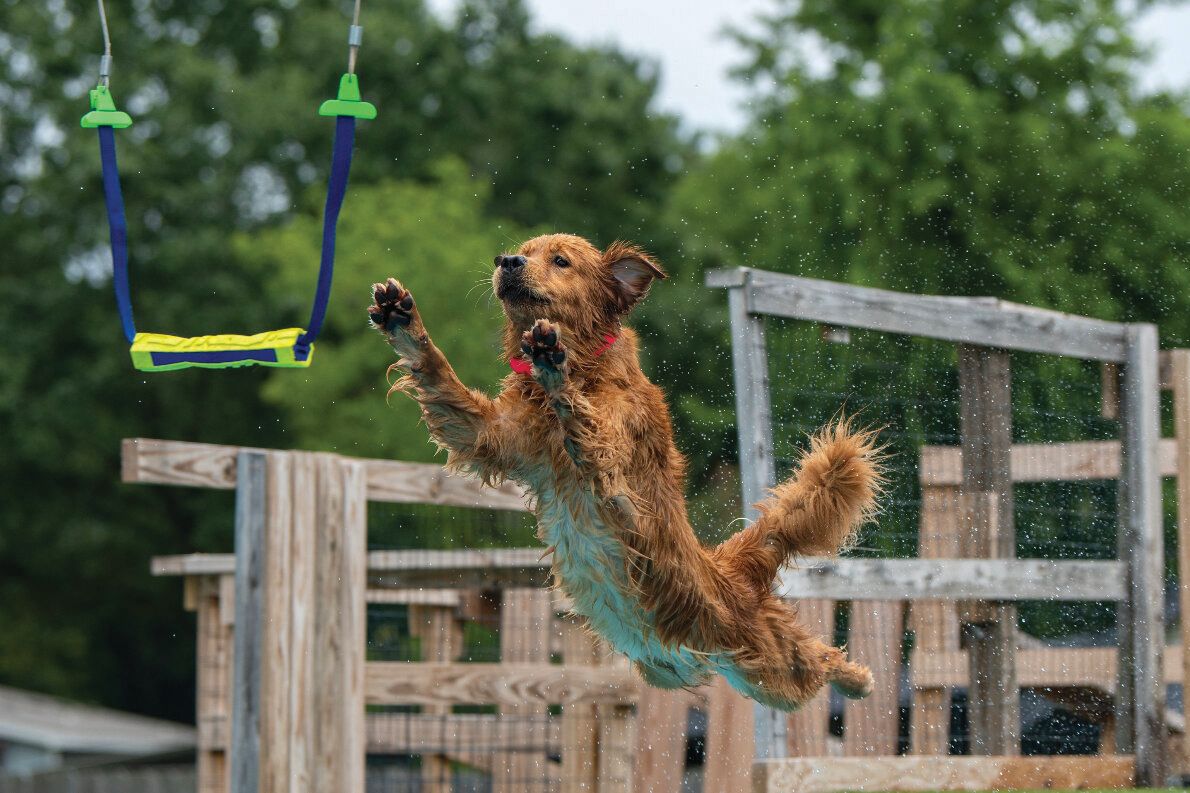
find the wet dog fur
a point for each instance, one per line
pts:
(589, 438)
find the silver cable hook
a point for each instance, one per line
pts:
(105, 61)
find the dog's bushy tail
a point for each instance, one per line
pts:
(818, 511)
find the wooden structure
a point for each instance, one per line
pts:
(986, 332)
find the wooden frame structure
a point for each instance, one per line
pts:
(986, 331)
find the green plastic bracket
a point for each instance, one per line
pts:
(103, 111)
(348, 102)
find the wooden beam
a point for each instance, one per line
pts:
(148, 461)
(456, 734)
(1039, 667)
(397, 683)
(1179, 376)
(1141, 703)
(251, 506)
(981, 321)
(943, 773)
(953, 579)
(497, 568)
(1044, 462)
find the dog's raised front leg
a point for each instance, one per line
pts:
(542, 344)
(456, 415)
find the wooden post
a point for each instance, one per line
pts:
(808, 729)
(1180, 365)
(993, 700)
(1140, 713)
(579, 736)
(757, 471)
(730, 746)
(251, 507)
(935, 627)
(661, 740)
(441, 636)
(212, 688)
(872, 725)
(526, 616)
(276, 683)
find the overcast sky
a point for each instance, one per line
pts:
(686, 39)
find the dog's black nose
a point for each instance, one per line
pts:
(510, 262)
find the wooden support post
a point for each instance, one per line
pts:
(251, 508)
(526, 617)
(579, 735)
(303, 596)
(1140, 704)
(757, 469)
(871, 726)
(993, 701)
(441, 637)
(935, 626)
(212, 688)
(660, 740)
(730, 747)
(276, 683)
(615, 748)
(808, 729)
(1180, 365)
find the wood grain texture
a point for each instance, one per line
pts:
(251, 508)
(952, 579)
(303, 599)
(580, 733)
(526, 621)
(875, 634)
(1044, 462)
(151, 461)
(943, 773)
(1179, 376)
(276, 683)
(808, 730)
(661, 740)
(965, 320)
(730, 739)
(440, 634)
(396, 683)
(1047, 667)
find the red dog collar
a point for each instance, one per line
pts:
(524, 367)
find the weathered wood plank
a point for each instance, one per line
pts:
(526, 618)
(1179, 377)
(150, 461)
(276, 683)
(1044, 667)
(943, 773)
(303, 606)
(212, 694)
(965, 320)
(579, 732)
(251, 506)
(455, 735)
(871, 725)
(950, 579)
(497, 568)
(661, 740)
(396, 683)
(1141, 547)
(807, 730)
(1044, 462)
(730, 739)
(441, 637)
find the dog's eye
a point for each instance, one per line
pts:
(561, 261)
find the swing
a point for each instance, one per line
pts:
(289, 347)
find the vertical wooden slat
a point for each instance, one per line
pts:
(441, 637)
(808, 730)
(730, 737)
(303, 560)
(615, 748)
(1141, 700)
(579, 735)
(1180, 365)
(757, 468)
(660, 740)
(275, 681)
(871, 726)
(985, 390)
(212, 691)
(935, 626)
(525, 621)
(251, 508)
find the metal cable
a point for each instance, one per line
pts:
(353, 39)
(105, 62)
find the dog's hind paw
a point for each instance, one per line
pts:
(542, 344)
(392, 307)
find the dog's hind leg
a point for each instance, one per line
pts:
(456, 416)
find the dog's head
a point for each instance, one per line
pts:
(566, 279)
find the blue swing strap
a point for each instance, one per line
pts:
(336, 190)
(113, 198)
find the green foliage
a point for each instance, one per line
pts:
(433, 237)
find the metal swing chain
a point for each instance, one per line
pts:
(105, 61)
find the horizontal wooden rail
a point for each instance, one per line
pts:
(836, 579)
(954, 579)
(984, 321)
(160, 462)
(1039, 667)
(473, 733)
(1044, 462)
(921, 773)
(397, 683)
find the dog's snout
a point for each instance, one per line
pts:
(510, 262)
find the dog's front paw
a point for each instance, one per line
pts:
(542, 344)
(392, 308)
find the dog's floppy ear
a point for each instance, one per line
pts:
(632, 271)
